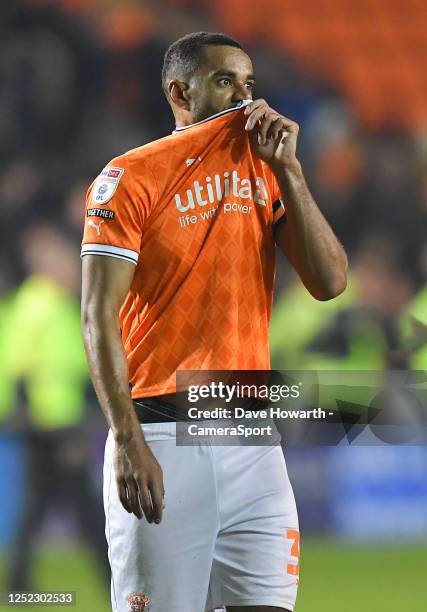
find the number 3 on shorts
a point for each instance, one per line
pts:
(293, 535)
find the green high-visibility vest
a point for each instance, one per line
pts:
(298, 319)
(43, 348)
(413, 330)
(7, 386)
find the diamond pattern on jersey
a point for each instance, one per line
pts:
(202, 291)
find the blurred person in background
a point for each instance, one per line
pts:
(413, 325)
(7, 294)
(42, 352)
(220, 270)
(413, 322)
(359, 330)
(365, 335)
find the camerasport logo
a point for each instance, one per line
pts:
(106, 184)
(138, 602)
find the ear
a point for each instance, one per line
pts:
(178, 94)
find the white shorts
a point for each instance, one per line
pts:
(229, 533)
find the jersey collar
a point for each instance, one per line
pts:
(239, 105)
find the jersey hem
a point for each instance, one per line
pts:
(156, 392)
(152, 391)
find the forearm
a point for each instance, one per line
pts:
(109, 373)
(307, 239)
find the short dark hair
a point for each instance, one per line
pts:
(183, 56)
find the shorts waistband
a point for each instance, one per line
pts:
(158, 410)
(154, 410)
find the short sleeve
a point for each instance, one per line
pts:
(117, 206)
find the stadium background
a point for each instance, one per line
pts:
(80, 83)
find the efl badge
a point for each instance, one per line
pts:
(138, 602)
(106, 185)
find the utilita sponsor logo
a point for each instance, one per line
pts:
(220, 186)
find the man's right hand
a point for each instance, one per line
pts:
(139, 478)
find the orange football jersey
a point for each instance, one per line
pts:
(195, 213)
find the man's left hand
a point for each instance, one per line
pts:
(274, 137)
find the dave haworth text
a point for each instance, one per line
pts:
(269, 413)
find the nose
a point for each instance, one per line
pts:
(241, 92)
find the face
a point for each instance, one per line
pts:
(224, 78)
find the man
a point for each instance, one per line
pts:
(48, 416)
(195, 213)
